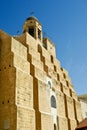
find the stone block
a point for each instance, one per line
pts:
(78, 112)
(56, 63)
(74, 95)
(6, 62)
(70, 107)
(34, 53)
(46, 54)
(56, 84)
(49, 64)
(31, 41)
(36, 72)
(72, 124)
(50, 47)
(44, 97)
(21, 63)
(25, 118)
(46, 121)
(5, 44)
(24, 89)
(21, 38)
(35, 62)
(19, 49)
(66, 90)
(52, 73)
(8, 117)
(7, 82)
(60, 104)
(63, 123)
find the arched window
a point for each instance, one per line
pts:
(53, 102)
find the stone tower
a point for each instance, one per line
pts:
(33, 27)
(36, 93)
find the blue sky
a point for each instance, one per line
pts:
(64, 22)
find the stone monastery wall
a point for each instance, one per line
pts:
(35, 92)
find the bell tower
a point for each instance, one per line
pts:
(33, 27)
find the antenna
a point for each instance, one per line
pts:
(32, 13)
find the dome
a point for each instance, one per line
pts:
(32, 18)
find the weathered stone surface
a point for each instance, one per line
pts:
(35, 92)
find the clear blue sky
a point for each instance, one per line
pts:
(64, 22)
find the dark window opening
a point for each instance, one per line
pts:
(64, 75)
(55, 69)
(39, 34)
(45, 45)
(31, 31)
(52, 59)
(53, 102)
(70, 92)
(67, 83)
(55, 127)
(61, 87)
(61, 68)
(58, 77)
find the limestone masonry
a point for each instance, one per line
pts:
(35, 92)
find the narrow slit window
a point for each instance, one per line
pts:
(55, 69)
(58, 77)
(39, 34)
(52, 59)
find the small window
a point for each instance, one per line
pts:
(31, 31)
(61, 86)
(58, 77)
(67, 83)
(53, 102)
(55, 127)
(52, 59)
(64, 75)
(61, 68)
(55, 69)
(45, 45)
(39, 34)
(70, 92)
